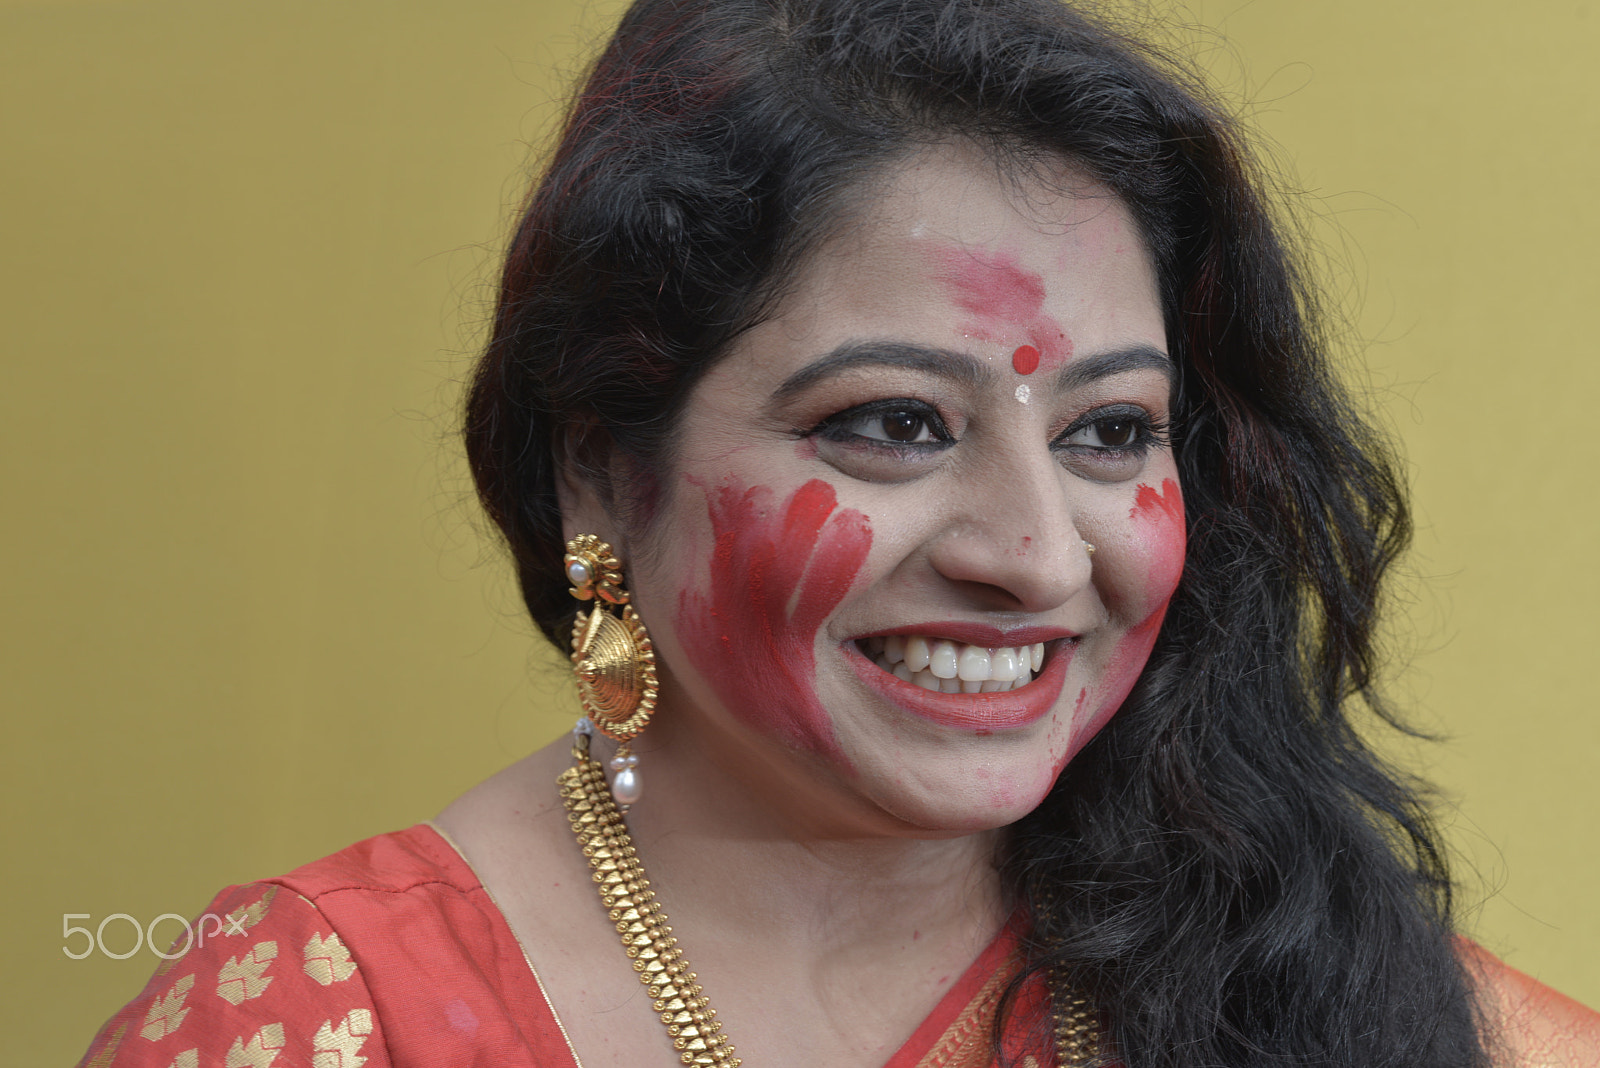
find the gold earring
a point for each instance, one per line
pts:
(612, 658)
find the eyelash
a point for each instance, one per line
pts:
(1147, 432)
(836, 427)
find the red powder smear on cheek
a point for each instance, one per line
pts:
(776, 574)
(1127, 661)
(1160, 516)
(1002, 300)
(1077, 735)
(1149, 504)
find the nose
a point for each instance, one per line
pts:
(1011, 544)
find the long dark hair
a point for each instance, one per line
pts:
(1228, 868)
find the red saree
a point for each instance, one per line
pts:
(392, 953)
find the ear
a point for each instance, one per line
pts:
(582, 511)
(585, 505)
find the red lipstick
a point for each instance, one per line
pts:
(978, 712)
(978, 633)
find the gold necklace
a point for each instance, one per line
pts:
(675, 992)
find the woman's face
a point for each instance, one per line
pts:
(891, 482)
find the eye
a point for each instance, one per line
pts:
(891, 440)
(1117, 432)
(1110, 444)
(894, 423)
(901, 427)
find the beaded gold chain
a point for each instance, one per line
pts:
(647, 938)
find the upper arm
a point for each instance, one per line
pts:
(266, 980)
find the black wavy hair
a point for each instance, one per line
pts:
(1228, 868)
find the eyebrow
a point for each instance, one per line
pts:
(1081, 372)
(965, 369)
(959, 367)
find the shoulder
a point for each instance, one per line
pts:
(361, 955)
(1530, 1025)
(260, 974)
(417, 860)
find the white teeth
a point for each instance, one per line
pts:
(973, 664)
(945, 666)
(1003, 666)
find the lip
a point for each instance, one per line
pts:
(981, 713)
(977, 634)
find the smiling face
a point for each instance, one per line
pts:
(869, 563)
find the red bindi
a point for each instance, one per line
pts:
(1025, 360)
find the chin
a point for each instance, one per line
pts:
(970, 796)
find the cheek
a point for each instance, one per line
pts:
(1157, 557)
(1157, 518)
(776, 571)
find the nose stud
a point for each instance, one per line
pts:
(1089, 549)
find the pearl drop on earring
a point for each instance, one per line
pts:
(625, 784)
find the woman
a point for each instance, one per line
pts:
(922, 392)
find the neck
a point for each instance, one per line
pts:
(761, 856)
(813, 993)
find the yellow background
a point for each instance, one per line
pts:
(250, 614)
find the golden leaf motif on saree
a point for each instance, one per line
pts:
(252, 914)
(260, 1051)
(327, 961)
(244, 976)
(167, 1011)
(337, 1047)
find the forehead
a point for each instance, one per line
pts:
(954, 243)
